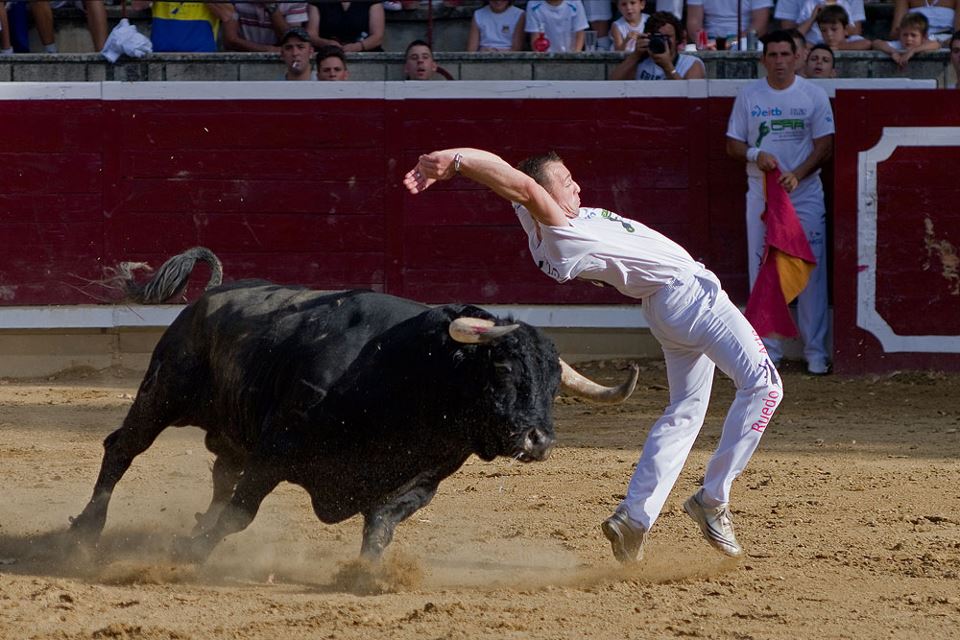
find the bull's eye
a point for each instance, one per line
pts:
(503, 367)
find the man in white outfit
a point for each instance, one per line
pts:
(688, 312)
(785, 121)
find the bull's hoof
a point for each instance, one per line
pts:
(84, 531)
(190, 550)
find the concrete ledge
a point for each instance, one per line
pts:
(524, 66)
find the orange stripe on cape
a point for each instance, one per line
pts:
(786, 267)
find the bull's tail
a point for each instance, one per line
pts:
(169, 280)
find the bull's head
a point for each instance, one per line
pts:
(526, 375)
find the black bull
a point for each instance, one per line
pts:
(365, 400)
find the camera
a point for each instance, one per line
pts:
(657, 43)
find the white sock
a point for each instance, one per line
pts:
(50, 48)
(6, 51)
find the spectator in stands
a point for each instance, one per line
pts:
(792, 132)
(942, 17)
(560, 22)
(43, 20)
(646, 64)
(629, 26)
(419, 63)
(820, 62)
(913, 39)
(355, 26)
(802, 49)
(719, 17)
(186, 26)
(259, 26)
(599, 14)
(496, 26)
(833, 23)
(296, 51)
(955, 57)
(802, 15)
(332, 64)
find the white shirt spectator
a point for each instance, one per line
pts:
(557, 22)
(720, 16)
(496, 29)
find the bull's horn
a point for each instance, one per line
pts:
(478, 331)
(577, 384)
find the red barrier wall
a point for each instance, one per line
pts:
(309, 191)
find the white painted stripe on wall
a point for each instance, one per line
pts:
(868, 317)
(152, 316)
(376, 90)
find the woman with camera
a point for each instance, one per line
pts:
(656, 57)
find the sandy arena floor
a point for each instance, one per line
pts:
(850, 514)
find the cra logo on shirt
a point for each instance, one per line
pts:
(606, 214)
(783, 129)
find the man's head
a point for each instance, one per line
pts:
(913, 30)
(833, 21)
(331, 64)
(418, 61)
(296, 51)
(779, 59)
(550, 173)
(667, 25)
(955, 55)
(820, 62)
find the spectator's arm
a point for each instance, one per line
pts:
(578, 40)
(697, 71)
(899, 10)
(233, 41)
(759, 20)
(881, 45)
(619, 42)
(224, 11)
(377, 22)
(805, 26)
(627, 70)
(518, 33)
(313, 29)
(278, 20)
(694, 19)
(473, 38)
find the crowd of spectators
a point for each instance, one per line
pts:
(657, 36)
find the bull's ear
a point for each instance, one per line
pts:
(478, 330)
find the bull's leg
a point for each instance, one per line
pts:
(226, 471)
(138, 431)
(254, 485)
(379, 522)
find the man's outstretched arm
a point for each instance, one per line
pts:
(489, 170)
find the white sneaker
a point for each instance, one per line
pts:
(716, 524)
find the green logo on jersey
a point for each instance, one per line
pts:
(764, 130)
(610, 215)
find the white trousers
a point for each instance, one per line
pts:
(812, 308)
(699, 328)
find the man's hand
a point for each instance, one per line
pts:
(788, 181)
(430, 168)
(767, 162)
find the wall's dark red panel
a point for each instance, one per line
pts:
(917, 229)
(310, 191)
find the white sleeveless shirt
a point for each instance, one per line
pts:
(603, 246)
